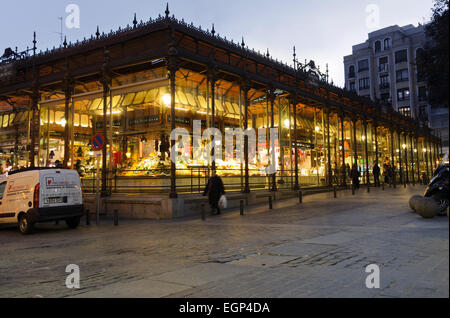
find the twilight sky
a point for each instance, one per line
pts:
(321, 30)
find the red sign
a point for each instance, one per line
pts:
(98, 142)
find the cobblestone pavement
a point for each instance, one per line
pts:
(317, 249)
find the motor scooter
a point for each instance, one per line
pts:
(437, 189)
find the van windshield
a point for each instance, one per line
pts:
(2, 189)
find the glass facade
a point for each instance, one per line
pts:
(137, 124)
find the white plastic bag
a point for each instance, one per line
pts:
(223, 202)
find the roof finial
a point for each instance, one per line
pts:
(243, 43)
(134, 21)
(268, 54)
(65, 42)
(97, 34)
(212, 30)
(34, 42)
(295, 59)
(167, 12)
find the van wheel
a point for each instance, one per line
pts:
(25, 225)
(73, 223)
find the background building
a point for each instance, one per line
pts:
(384, 68)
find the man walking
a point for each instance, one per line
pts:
(354, 174)
(215, 190)
(376, 174)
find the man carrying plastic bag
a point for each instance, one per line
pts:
(216, 193)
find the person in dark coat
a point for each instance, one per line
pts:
(386, 173)
(354, 174)
(376, 174)
(215, 190)
(391, 174)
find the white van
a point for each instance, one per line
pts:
(33, 195)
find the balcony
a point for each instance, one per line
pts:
(384, 85)
(402, 79)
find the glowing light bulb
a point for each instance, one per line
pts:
(167, 100)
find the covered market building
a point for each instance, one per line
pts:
(136, 84)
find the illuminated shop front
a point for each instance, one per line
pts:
(136, 85)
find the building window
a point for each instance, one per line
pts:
(383, 65)
(385, 98)
(423, 114)
(377, 46)
(363, 65)
(419, 59)
(405, 111)
(422, 93)
(401, 56)
(384, 81)
(351, 86)
(402, 75)
(364, 83)
(351, 71)
(387, 44)
(403, 94)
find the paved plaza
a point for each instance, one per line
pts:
(318, 249)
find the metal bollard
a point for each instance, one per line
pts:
(203, 212)
(300, 197)
(116, 217)
(241, 206)
(270, 203)
(382, 186)
(334, 192)
(368, 188)
(353, 189)
(88, 217)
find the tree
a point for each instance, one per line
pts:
(432, 61)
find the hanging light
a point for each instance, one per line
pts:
(286, 123)
(317, 128)
(404, 146)
(363, 138)
(424, 149)
(167, 100)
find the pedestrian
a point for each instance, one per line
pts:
(58, 164)
(343, 174)
(215, 190)
(1, 169)
(354, 174)
(386, 173)
(376, 174)
(391, 173)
